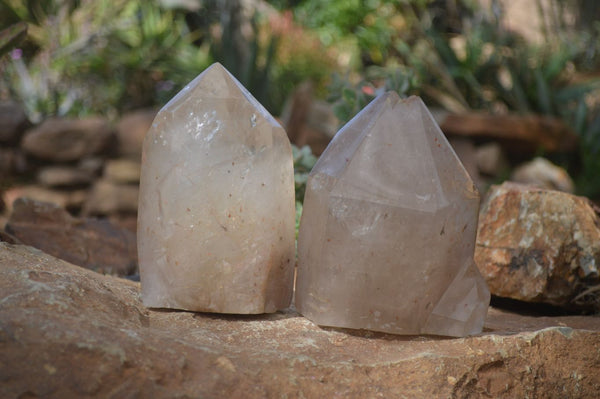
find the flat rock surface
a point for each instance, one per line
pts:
(69, 332)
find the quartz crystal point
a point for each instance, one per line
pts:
(388, 229)
(216, 210)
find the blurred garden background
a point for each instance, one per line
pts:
(515, 79)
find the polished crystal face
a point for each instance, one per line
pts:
(388, 229)
(216, 210)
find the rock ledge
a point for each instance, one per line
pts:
(69, 332)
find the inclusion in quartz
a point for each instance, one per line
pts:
(216, 209)
(388, 229)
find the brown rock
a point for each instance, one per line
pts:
(67, 332)
(122, 171)
(9, 238)
(132, 129)
(63, 176)
(108, 198)
(309, 121)
(72, 200)
(12, 162)
(13, 122)
(539, 245)
(62, 140)
(91, 243)
(524, 134)
(125, 221)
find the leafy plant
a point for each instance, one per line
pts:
(587, 125)
(12, 36)
(470, 61)
(267, 52)
(99, 56)
(304, 160)
(348, 98)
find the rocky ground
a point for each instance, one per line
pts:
(70, 332)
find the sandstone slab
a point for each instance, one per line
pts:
(538, 245)
(95, 244)
(68, 332)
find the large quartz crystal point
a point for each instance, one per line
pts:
(216, 210)
(388, 229)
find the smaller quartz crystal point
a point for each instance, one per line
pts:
(216, 210)
(388, 229)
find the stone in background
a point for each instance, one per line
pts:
(541, 246)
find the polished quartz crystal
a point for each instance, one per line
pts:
(216, 207)
(388, 229)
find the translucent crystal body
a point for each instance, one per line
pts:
(216, 209)
(388, 229)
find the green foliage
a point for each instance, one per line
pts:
(11, 36)
(348, 99)
(496, 70)
(99, 56)
(333, 19)
(304, 160)
(371, 25)
(588, 180)
(249, 60)
(299, 207)
(103, 56)
(300, 57)
(271, 58)
(469, 61)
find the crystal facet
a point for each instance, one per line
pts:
(216, 210)
(388, 229)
